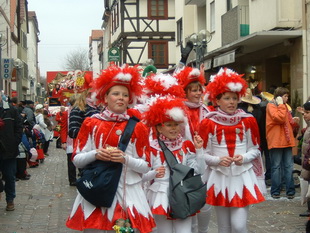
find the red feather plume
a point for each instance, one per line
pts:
(114, 75)
(219, 83)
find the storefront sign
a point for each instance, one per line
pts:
(224, 59)
(114, 54)
(6, 68)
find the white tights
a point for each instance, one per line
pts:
(102, 231)
(200, 223)
(168, 226)
(232, 219)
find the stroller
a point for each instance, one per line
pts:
(38, 142)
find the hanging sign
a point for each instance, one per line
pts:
(113, 54)
(6, 68)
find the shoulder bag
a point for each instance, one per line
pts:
(187, 192)
(99, 180)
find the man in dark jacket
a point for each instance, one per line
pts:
(10, 137)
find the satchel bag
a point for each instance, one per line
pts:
(187, 192)
(99, 180)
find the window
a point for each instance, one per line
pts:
(212, 16)
(179, 31)
(158, 51)
(24, 40)
(157, 9)
(229, 5)
(115, 18)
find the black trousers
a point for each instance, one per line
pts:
(21, 166)
(46, 144)
(71, 169)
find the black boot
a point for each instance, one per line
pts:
(307, 213)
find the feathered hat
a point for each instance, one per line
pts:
(189, 75)
(226, 80)
(128, 76)
(162, 84)
(164, 108)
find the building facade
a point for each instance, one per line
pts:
(96, 51)
(141, 29)
(19, 51)
(263, 41)
(267, 42)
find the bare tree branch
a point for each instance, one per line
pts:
(77, 60)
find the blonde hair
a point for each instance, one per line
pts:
(80, 101)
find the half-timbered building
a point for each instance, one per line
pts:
(141, 29)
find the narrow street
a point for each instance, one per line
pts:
(43, 204)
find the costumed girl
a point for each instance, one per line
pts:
(159, 84)
(164, 117)
(192, 80)
(116, 88)
(231, 150)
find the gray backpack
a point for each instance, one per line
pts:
(187, 192)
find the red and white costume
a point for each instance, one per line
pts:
(129, 201)
(166, 109)
(185, 153)
(223, 134)
(196, 113)
(104, 129)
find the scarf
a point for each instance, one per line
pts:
(192, 105)
(172, 144)
(108, 115)
(224, 118)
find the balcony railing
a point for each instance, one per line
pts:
(235, 24)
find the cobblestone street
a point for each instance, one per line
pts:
(43, 204)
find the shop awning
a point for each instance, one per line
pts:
(252, 43)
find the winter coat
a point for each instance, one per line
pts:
(305, 153)
(276, 119)
(11, 133)
(77, 117)
(62, 119)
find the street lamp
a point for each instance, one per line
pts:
(200, 42)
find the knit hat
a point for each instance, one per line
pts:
(189, 75)
(164, 108)
(307, 106)
(114, 75)
(226, 80)
(38, 106)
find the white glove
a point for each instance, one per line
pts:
(279, 100)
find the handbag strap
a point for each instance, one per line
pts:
(170, 159)
(123, 143)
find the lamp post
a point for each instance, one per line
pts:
(200, 42)
(1, 78)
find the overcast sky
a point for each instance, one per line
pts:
(65, 25)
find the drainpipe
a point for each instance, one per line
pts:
(305, 50)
